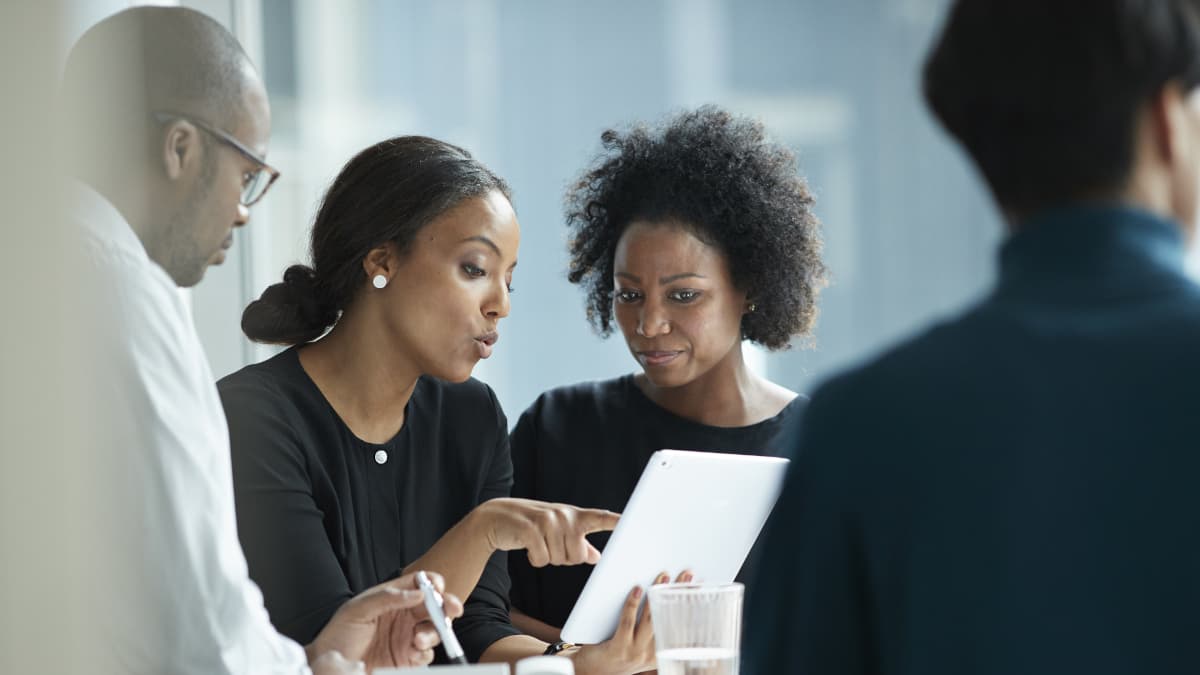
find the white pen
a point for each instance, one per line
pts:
(433, 603)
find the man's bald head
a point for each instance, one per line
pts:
(165, 116)
(147, 59)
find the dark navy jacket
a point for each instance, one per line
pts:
(1015, 491)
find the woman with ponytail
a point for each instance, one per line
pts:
(365, 449)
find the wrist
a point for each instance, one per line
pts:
(480, 523)
(560, 648)
(581, 659)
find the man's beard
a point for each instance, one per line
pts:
(179, 252)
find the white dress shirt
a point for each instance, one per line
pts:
(181, 598)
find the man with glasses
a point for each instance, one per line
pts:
(167, 125)
(255, 182)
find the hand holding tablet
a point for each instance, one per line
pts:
(698, 511)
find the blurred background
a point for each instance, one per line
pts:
(529, 85)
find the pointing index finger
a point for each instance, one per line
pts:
(597, 520)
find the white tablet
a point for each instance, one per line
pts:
(690, 510)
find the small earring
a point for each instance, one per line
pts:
(379, 281)
(753, 307)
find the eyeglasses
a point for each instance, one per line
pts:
(254, 183)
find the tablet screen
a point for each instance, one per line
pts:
(690, 510)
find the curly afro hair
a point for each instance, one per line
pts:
(718, 175)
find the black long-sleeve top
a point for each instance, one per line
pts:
(323, 515)
(587, 444)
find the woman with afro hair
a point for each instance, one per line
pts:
(691, 238)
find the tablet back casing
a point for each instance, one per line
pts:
(690, 510)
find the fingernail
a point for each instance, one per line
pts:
(662, 577)
(687, 576)
(637, 591)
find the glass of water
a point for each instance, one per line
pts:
(697, 628)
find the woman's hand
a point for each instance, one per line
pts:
(551, 534)
(385, 626)
(631, 648)
(554, 534)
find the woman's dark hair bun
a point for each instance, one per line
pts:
(290, 312)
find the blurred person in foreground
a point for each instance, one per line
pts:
(167, 126)
(1014, 489)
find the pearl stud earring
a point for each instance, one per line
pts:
(379, 281)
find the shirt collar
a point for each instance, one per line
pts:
(101, 219)
(1093, 246)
